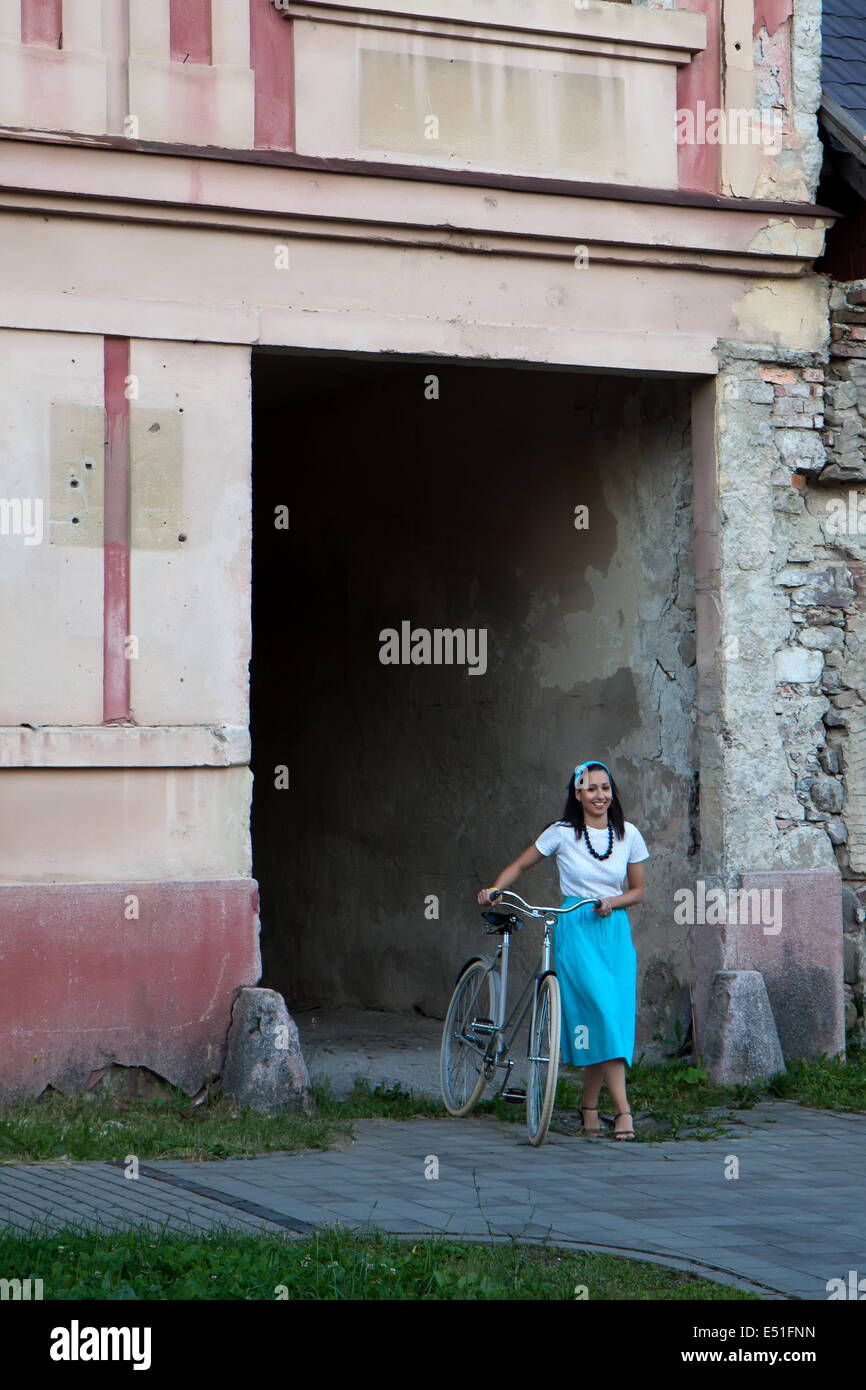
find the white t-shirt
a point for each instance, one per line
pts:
(581, 876)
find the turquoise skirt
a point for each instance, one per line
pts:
(596, 965)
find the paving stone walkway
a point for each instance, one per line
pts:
(793, 1219)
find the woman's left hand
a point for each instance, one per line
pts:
(606, 907)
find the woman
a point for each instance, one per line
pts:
(593, 954)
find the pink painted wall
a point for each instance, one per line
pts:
(769, 14)
(116, 668)
(41, 22)
(82, 982)
(801, 962)
(701, 80)
(272, 60)
(191, 40)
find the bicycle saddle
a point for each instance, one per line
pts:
(502, 921)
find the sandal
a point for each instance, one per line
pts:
(622, 1133)
(583, 1126)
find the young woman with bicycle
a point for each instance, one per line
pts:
(595, 961)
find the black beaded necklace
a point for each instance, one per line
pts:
(609, 850)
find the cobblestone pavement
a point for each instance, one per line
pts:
(793, 1219)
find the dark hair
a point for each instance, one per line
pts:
(573, 811)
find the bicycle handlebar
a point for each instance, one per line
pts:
(496, 893)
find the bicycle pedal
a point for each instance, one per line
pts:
(483, 1025)
(514, 1095)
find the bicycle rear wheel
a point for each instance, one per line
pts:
(461, 1059)
(543, 1065)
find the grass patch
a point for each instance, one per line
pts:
(675, 1100)
(105, 1127)
(332, 1265)
(366, 1102)
(679, 1100)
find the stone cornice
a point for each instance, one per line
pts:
(172, 244)
(671, 36)
(323, 198)
(187, 745)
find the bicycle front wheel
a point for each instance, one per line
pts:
(543, 1068)
(461, 1059)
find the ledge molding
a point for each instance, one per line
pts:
(666, 35)
(120, 745)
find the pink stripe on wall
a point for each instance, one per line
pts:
(115, 663)
(42, 22)
(272, 59)
(191, 31)
(699, 165)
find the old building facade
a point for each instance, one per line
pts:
(324, 318)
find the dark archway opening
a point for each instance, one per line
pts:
(441, 496)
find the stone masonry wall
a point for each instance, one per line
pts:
(818, 422)
(839, 500)
(809, 623)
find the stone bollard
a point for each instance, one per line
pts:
(264, 1068)
(742, 1043)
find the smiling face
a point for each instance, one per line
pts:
(595, 795)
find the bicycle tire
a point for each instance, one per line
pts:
(544, 1036)
(477, 983)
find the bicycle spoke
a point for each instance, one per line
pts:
(462, 1051)
(543, 1058)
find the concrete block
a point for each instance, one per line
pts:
(741, 1043)
(264, 1067)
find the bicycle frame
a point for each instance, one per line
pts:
(503, 1039)
(499, 1044)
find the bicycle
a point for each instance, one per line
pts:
(476, 1044)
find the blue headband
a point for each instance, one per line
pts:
(581, 767)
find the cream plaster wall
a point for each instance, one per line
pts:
(190, 599)
(73, 825)
(67, 89)
(53, 89)
(441, 102)
(51, 613)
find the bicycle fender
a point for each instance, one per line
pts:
(485, 960)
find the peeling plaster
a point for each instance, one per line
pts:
(782, 236)
(770, 14)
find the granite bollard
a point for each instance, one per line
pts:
(742, 1042)
(264, 1068)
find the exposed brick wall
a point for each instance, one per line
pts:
(797, 416)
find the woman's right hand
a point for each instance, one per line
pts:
(484, 897)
